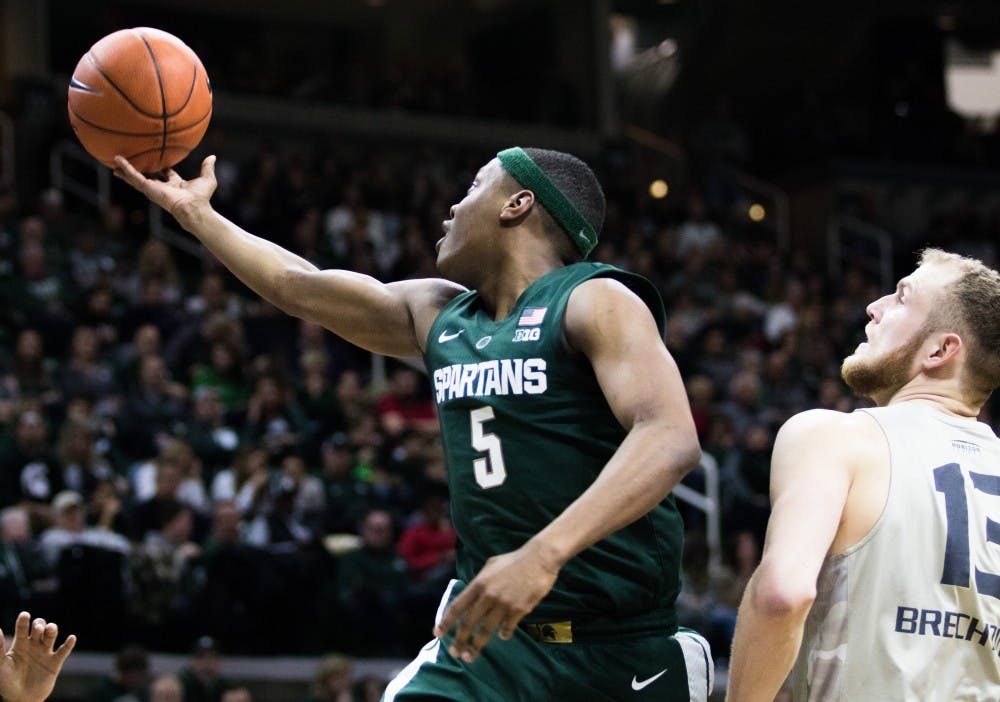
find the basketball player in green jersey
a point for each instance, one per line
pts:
(880, 577)
(564, 423)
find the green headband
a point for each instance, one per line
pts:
(526, 172)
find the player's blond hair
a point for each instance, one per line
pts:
(971, 304)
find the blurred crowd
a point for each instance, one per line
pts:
(199, 678)
(178, 458)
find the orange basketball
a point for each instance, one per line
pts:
(141, 93)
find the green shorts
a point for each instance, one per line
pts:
(671, 666)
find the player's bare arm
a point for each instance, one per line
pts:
(391, 319)
(818, 457)
(614, 329)
(28, 670)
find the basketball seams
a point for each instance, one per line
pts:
(163, 96)
(170, 132)
(97, 66)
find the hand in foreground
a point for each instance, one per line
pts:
(29, 669)
(505, 590)
(177, 196)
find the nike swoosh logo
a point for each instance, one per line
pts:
(637, 685)
(445, 336)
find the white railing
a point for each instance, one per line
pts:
(707, 502)
(65, 159)
(839, 228)
(7, 153)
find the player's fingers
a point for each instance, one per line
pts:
(62, 653)
(50, 633)
(484, 632)
(467, 628)
(21, 626)
(128, 172)
(208, 167)
(37, 628)
(507, 629)
(453, 611)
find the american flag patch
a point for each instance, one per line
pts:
(532, 316)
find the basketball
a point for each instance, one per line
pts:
(141, 93)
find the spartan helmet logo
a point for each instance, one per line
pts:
(548, 632)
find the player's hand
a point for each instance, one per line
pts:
(181, 198)
(505, 590)
(28, 670)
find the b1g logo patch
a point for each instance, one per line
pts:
(533, 334)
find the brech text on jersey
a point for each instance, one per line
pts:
(506, 376)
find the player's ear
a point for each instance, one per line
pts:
(946, 347)
(517, 206)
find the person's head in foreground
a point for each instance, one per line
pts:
(536, 202)
(937, 336)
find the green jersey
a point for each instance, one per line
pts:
(526, 430)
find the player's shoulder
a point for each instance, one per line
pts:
(840, 432)
(430, 294)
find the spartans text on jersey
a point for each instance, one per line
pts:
(506, 376)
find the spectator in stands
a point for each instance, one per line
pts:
(211, 298)
(155, 262)
(152, 411)
(18, 558)
(310, 498)
(274, 420)
(318, 400)
(347, 498)
(428, 544)
(105, 508)
(85, 371)
(745, 478)
(30, 373)
(166, 688)
(42, 295)
(130, 356)
(407, 406)
(69, 528)
(29, 470)
(127, 682)
(211, 435)
(157, 565)
(200, 678)
(246, 483)
(80, 465)
(333, 681)
(352, 396)
(89, 264)
(277, 526)
(175, 475)
(371, 585)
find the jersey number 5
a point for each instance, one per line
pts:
(948, 479)
(490, 470)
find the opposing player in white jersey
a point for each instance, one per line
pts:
(881, 566)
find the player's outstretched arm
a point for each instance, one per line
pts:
(811, 473)
(614, 329)
(390, 319)
(29, 669)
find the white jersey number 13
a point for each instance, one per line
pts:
(490, 470)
